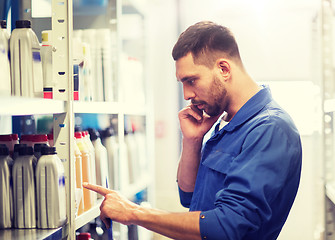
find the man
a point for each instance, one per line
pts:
(242, 182)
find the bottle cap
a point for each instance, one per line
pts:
(46, 150)
(15, 136)
(38, 147)
(94, 134)
(26, 150)
(39, 138)
(26, 137)
(50, 136)
(7, 137)
(3, 24)
(78, 135)
(4, 151)
(23, 24)
(19, 145)
(83, 236)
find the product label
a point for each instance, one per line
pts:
(37, 72)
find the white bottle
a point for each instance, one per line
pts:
(103, 38)
(6, 194)
(46, 56)
(24, 189)
(110, 142)
(26, 66)
(50, 190)
(5, 83)
(101, 160)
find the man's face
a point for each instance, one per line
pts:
(202, 86)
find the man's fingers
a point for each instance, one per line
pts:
(96, 188)
(105, 220)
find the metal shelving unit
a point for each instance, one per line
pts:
(328, 109)
(63, 108)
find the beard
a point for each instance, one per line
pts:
(217, 96)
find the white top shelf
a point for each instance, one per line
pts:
(30, 106)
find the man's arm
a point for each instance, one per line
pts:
(174, 225)
(194, 125)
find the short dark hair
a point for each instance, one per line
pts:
(207, 41)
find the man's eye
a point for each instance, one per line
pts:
(191, 82)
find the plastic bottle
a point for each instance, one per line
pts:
(24, 189)
(5, 82)
(50, 190)
(132, 156)
(86, 172)
(46, 56)
(110, 142)
(103, 38)
(87, 140)
(26, 65)
(101, 160)
(6, 196)
(79, 180)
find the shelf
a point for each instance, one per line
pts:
(130, 109)
(96, 107)
(89, 215)
(29, 106)
(108, 108)
(38, 234)
(330, 192)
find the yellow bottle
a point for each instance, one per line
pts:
(86, 170)
(79, 180)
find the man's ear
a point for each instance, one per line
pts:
(224, 68)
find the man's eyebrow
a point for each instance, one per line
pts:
(187, 78)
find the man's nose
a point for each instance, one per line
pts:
(188, 93)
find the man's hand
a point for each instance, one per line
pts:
(115, 206)
(194, 123)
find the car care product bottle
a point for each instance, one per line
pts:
(86, 172)
(110, 142)
(79, 199)
(6, 196)
(101, 160)
(26, 65)
(24, 189)
(50, 190)
(5, 82)
(87, 140)
(46, 56)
